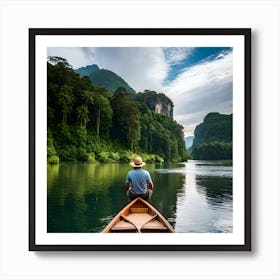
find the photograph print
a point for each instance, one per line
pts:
(139, 131)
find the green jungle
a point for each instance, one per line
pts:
(88, 123)
(213, 138)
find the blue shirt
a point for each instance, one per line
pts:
(139, 178)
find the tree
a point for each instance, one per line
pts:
(103, 111)
(88, 97)
(82, 115)
(126, 119)
(65, 99)
(57, 59)
(213, 151)
(133, 122)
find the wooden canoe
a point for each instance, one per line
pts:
(139, 217)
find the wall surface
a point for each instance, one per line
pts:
(16, 262)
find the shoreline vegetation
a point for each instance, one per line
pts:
(86, 123)
(213, 138)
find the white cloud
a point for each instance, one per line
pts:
(176, 55)
(74, 56)
(201, 89)
(142, 68)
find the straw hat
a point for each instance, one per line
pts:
(137, 162)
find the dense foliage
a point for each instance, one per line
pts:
(87, 123)
(213, 138)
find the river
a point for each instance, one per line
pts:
(194, 196)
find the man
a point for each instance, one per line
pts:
(138, 181)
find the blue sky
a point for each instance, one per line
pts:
(195, 56)
(198, 80)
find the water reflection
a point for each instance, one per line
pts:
(168, 183)
(84, 196)
(194, 197)
(206, 204)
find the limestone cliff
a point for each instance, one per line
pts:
(158, 102)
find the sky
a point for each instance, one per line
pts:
(198, 80)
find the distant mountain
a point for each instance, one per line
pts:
(109, 80)
(104, 78)
(213, 138)
(189, 141)
(86, 71)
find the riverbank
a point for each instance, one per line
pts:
(67, 143)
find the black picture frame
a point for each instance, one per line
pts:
(33, 35)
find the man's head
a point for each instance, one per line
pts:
(137, 163)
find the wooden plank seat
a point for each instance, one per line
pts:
(139, 210)
(123, 226)
(154, 224)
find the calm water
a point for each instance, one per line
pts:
(195, 196)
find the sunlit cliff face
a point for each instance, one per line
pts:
(163, 109)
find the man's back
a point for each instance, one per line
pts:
(139, 178)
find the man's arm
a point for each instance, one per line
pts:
(127, 186)
(150, 184)
(127, 182)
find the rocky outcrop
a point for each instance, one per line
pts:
(158, 102)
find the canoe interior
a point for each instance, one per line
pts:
(138, 217)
